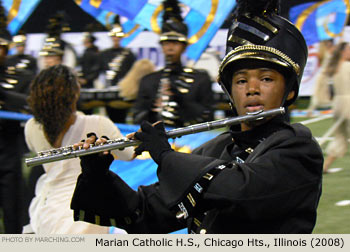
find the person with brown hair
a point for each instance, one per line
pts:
(339, 70)
(260, 177)
(53, 99)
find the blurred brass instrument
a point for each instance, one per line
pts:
(68, 152)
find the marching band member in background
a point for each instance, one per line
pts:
(14, 86)
(56, 50)
(52, 52)
(322, 93)
(338, 69)
(260, 177)
(89, 61)
(89, 65)
(20, 59)
(115, 64)
(53, 97)
(176, 94)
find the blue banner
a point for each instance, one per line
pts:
(320, 20)
(201, 33)
(128, 9)
(202, 17)
(18, 12)
(106, 17)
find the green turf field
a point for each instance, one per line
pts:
(336, 187)
(331, 218)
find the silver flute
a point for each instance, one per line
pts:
(68, 152)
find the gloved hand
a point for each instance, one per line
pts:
(153, 139)
(95, 165)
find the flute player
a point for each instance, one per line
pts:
(260, 177)
(53, 101)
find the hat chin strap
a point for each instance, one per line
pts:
(289, 88)
(228, 94)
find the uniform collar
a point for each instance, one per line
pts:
(174, 67)
(251, 138)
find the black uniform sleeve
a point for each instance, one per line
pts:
(125, 67)
(13, 101)
(108, 201)
(91, 65)
(288, 172)
(282, 175)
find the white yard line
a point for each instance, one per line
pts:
(322, 139)
(317, 119)
(343, 203)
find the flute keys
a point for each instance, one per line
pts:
(67, 150)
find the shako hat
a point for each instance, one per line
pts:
(117, 29)
(259, 37)
(173, 27)
(53, 45)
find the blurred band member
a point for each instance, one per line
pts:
(115, 64)
(20, 59)
(176, 94)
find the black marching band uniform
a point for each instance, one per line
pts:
(89, 62)
(191, 99)
(54, 45)
(115, 63)
(264, 180)
(14, 88)
(21, 60)
(191, 103)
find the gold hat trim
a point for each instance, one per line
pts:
(265, 24)
(117, 31)
(259, 52)
(19, 39)
(173, 36)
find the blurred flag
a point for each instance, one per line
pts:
(203, 17)
(204, 20)
(105, 16)
(128, 9)
(320, 20)
(18, 13)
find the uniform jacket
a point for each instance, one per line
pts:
(89, 66)
(192, 92)
(28, 62)
(13, 96)
(275, 189)
(124, 58)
